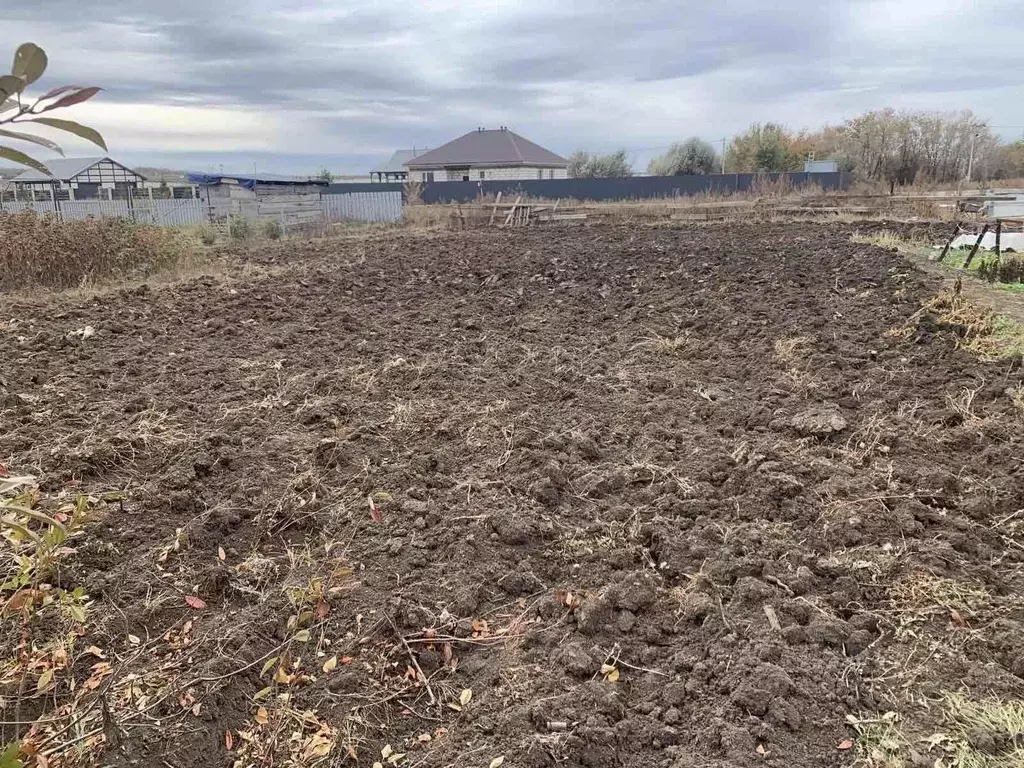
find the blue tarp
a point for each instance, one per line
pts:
(250, 181)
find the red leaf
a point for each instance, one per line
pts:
(195, 602)
(345, 660)
(3, 471)
(956, 618)
(229, 742)
(74, 98)
(58, 91)
(375, 513)
(322, 609)
(845, 744)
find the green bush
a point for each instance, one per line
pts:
(238, 228)
(272, 229)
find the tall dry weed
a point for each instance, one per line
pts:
(46, 252)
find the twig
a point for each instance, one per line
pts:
(412, 658)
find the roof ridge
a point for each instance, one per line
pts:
(515, 147)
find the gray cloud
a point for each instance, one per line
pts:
(600, 74)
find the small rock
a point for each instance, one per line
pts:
(576, 661)
(420, 523)
(672, 716)
(415, 507)
(819, 421)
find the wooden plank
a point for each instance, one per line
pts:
(494, 210)
(511, 213)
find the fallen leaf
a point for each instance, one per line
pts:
(375, 513)
(393, 760)
(282, 677)
(610, 672)
(496, 762)
(263, 693)
(330, 664)
(45, 681)
(956, 618)
(269, 663)
(322, 609)
(221, 554)
(134, 639)
(387, 751)
(350, 750)
(423, 738)
(229, 742)
(845, 744)
(346, 659)
(195, 602)
(465, 696)
(98, 653)
(453, 705)
(302, 636)
(262, 716)
(197, 708)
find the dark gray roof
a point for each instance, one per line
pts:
(396, 164)
(500, 147)
(63, 169)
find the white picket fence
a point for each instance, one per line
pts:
(356, 206)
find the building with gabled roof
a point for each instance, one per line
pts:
(81, 178)
(485, 155)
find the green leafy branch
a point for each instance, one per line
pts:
(29, 64)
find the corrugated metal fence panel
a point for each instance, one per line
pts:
(170, 213)
(633, 188)
(21, 205)
(376, 205)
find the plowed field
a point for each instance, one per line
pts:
(604, 496)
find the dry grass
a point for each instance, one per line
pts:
(43, 251)
(987, 334)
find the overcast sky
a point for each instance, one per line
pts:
(294, 85)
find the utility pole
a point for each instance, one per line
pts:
(723, 155)
(970, 161)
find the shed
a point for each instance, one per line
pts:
(821, 166)
(292, 199)
(80, 178)
(394, 168)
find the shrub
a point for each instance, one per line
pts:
(207, 235)
(272, 229)
(238, 228)
(45, 251)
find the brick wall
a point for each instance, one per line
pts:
(511, 173)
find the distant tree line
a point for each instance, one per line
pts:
(881, 145)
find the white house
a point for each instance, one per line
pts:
(79, 178)
(483, 155)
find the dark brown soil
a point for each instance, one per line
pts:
(596, 446)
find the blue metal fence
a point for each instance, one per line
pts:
(634, 188)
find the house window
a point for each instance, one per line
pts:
(428, 176)
(483, 174)
(551, 173)
(540, 173)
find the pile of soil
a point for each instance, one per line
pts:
(654, 495)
